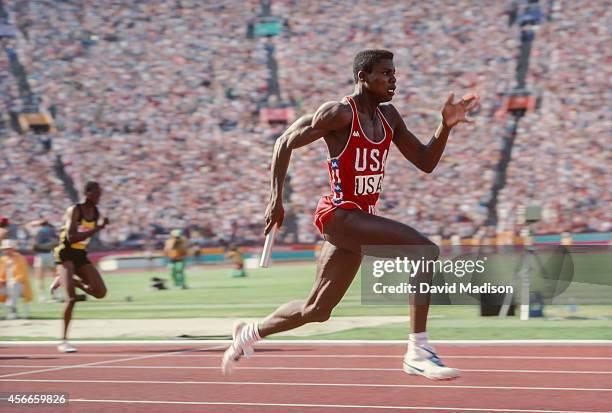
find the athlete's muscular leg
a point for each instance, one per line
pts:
(336, 269)
(92, 281)
(354, 229)
(66, 270)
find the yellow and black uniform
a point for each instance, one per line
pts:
(76, 251)
(177, 249)
(235, 256)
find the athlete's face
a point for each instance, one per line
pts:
(381, 81)
(94, 194)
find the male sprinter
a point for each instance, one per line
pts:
(358, 131)
(81, 223)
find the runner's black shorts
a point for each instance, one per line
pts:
(77, 257)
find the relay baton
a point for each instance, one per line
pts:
(267, 250)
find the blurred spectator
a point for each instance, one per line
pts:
(235, 256)
(177, 249)
(44, 240)
(4, 228)
(14, 279)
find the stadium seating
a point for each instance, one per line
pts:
(159, 101)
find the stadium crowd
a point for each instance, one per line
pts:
(8, 87)
(159, 101)
(561, 157)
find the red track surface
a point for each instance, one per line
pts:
(311, 378)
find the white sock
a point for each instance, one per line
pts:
(416, 340)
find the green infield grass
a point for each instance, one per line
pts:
(213, 293)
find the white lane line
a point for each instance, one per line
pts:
(285, 355)
(318, 343)
(256, 383)
(336, 406)
(305, 368)
(141, 357)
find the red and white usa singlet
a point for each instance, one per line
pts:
(356, 175)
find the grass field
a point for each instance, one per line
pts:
(213, 293)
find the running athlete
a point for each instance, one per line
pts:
(358, 132)
(73, 267)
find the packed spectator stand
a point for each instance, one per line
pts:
(160, 102)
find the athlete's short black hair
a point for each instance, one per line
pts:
(365, 60)
(90, 185)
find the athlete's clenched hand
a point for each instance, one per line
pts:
(274, 215)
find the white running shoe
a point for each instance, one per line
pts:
(237, 349)
(425, 362)
(66, 347)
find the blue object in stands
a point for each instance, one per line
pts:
(531, 15)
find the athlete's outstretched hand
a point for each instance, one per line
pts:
(274, 215)
(455, 113)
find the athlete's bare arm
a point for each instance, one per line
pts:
(426, 157)
(73, 227)
(330, 117)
